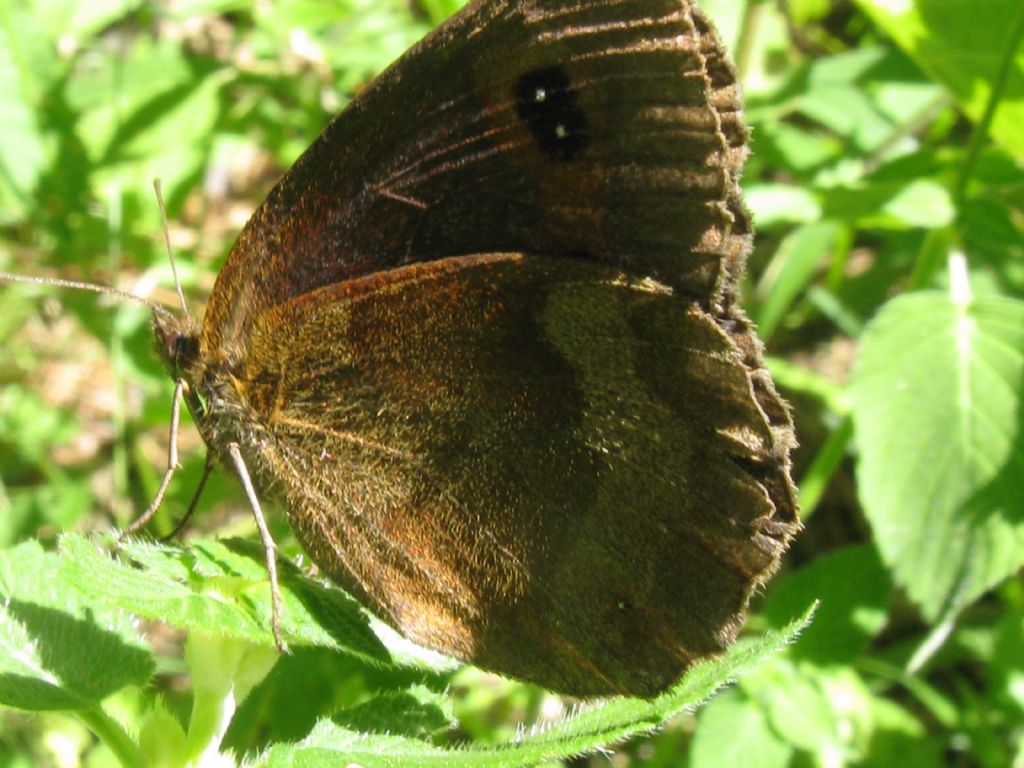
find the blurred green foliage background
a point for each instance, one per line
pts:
(887, 183)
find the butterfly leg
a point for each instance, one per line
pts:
(172, 463)
(194, 503)
(268, 542)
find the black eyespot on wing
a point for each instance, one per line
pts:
(545, 100)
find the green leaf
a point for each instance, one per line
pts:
(892, 204)
(591, 728)
(115, 110)
(848, 110)
(1006, 669)
(777, 143)
(169, 135)
(823, 711)
(69, 18)
(30, 427)
(357, 41)
(58, 650)
(852, 588)
(796, 705)
(774, 204)
(23, 78)
(416, 712)
(899, 738)
(221, 589)
(962, 44)
(937, 411)
(329, 684)
(732, 730)
(800, 254)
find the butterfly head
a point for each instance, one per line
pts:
(177, 343)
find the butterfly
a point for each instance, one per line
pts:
(482, 341)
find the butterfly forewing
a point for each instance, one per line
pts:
(585, 129)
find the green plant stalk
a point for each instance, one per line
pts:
(826, 302)
(837, 265)
(116, 356)
(934, 701)
(110, 732)
(743, 50)
(211, 716)
(930, 258)
(224, 671)
(824, 466)
(932, 644)
(918, 123)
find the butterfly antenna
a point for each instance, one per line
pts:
(102, 289)
(158, 188)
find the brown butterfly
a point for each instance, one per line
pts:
(483, 342)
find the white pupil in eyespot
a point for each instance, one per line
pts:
(539, 95)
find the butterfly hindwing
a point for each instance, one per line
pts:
(532, 462)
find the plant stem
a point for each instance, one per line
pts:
(743, 52)
(111, 733)
(931, 645)
(824, 466)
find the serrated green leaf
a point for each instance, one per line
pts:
(416, 712)
(326, 683)
(591, 728)
(221, 589)
(58, 651)
(939, 426)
